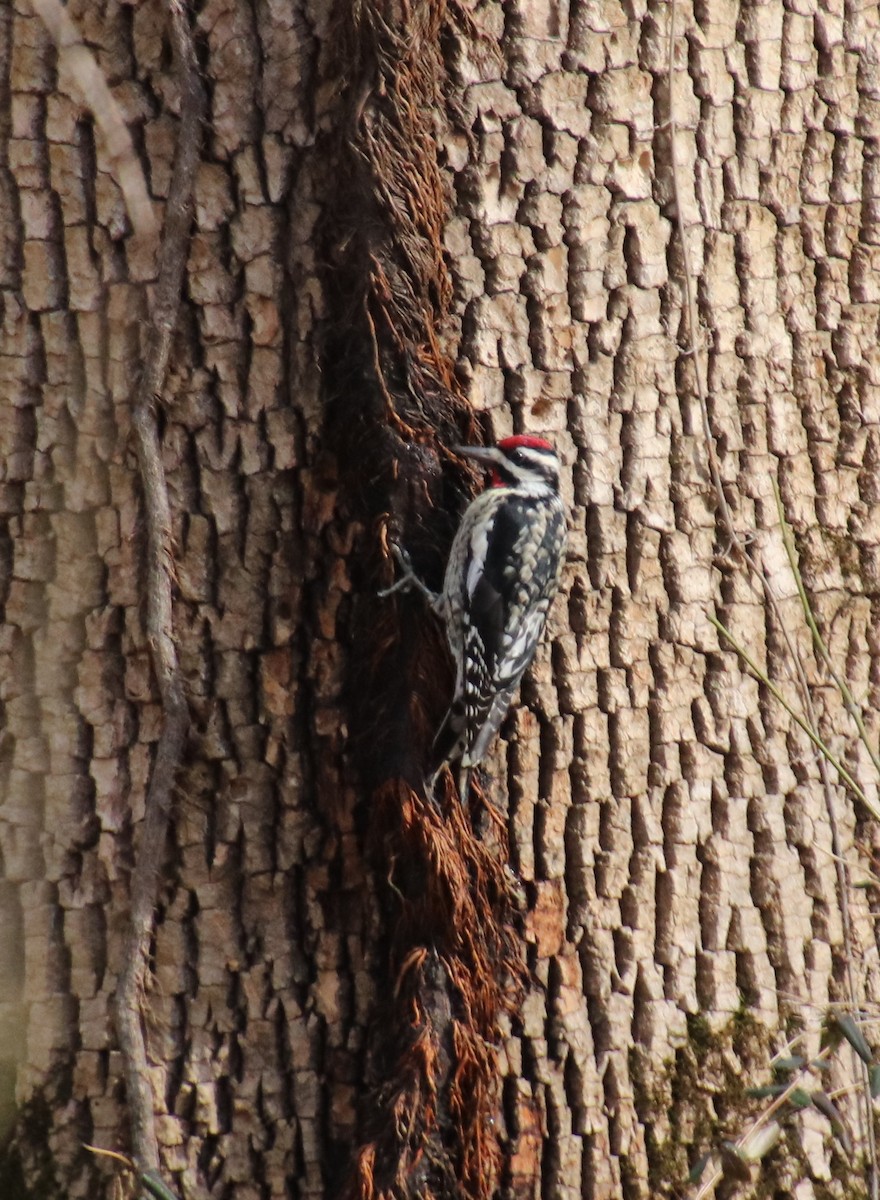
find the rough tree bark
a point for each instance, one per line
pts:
(415, 222)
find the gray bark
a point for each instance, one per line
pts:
(684, 913)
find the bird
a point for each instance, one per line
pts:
(501, 577)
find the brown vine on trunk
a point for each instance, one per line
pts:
(393, 409)
(159, 575)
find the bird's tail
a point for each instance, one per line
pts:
(487, 726)
(467, 742)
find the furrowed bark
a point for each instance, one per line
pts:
(394, 410)
(684, 911)
(159, 574)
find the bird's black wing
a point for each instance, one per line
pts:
(508, 607)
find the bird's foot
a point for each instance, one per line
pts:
(408, 579)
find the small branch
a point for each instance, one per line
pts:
(159, 579)
(738, 543)
(850, 703)
(823, 749)
(762, 1119)
(864, 1098)
(87, 78)
(149, 1182)
(691, 298)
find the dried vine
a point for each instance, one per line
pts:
(393, 409)
(159, 570)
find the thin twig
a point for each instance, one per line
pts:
(758, 571)
(844, 880)
(159, 578)
(738, 544)
(762, 1119)
(850, 703)
(691, 300)
(821, 746)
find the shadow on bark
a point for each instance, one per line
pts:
(393, 408)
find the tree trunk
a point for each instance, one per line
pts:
(414, 224)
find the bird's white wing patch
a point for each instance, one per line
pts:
(479, 550)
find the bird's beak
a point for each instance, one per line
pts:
(483, 454)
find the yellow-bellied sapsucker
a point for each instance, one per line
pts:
(501, 577)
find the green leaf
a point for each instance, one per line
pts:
(153, 1186)
(793, 1063)
(699, 1167)
(767, 1092)
(800, 1098)
(855, 1037)
(874, 1077)
(734, 1163)
(832, 1034)
(827, 1107)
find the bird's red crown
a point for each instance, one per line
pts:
(524, 439)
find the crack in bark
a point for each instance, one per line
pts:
(159, 581)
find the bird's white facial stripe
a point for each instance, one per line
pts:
(533, 455)
(527, 461)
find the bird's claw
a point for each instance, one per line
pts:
(408, 579)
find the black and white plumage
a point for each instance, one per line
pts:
(501, 577)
